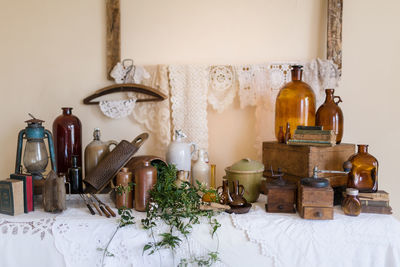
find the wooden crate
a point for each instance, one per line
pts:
(315, 203)
(298, 161)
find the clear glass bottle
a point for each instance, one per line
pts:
(351, 204)
(295, 103)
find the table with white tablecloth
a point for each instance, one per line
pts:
(76, 238)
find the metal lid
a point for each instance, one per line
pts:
(352, 191)
(315, 182)
(34, 120)
(247, 165)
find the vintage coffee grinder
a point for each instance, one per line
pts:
(35, 157)
(315, 195)
(281, 194)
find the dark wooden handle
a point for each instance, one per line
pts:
(110, 211)
(280, 207)
(105, 212)
(318, 214)
(242, 192)
(97, 208)
(90, 209)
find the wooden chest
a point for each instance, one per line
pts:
(315, 203)
(298, 161)
(281, 199)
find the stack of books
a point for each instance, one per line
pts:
(375, 202)
(313, 136)
(16, 194)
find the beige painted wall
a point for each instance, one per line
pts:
(52, 54)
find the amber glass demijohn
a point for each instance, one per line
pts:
(364, 172)
(295, 103)
(330, 116)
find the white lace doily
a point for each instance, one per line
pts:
(118, 108)
(222, 88)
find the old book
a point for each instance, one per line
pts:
(316, 132)
(11, 197)
(380, 195)
(301, 127)
(375, 203)
(28, 190)
(310, 143)
(378, 210)
(316, 137)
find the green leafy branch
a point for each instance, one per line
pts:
(179, 208)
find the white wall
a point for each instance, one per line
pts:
(52, 54)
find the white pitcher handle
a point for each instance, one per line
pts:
(194, 149)
(207, 159)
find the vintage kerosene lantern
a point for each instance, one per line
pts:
(35, 157)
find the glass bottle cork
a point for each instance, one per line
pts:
(351, 204)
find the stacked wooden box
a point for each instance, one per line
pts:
(297, 162)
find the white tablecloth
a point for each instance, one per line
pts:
(75, 238)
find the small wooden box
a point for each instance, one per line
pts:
(315, 203)
(281, 199)
(297, 162)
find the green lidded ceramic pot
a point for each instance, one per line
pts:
(249, 173)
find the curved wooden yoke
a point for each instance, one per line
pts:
(154, 94)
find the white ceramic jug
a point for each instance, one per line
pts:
(201, 169)
(180, 153)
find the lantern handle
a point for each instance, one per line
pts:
(49, 136)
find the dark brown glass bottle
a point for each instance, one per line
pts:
(351, 204)
(281, 135)
(75, 176)
(295, 103)
(67, 140)
(364, 172)
(145, 179)
(330, 116)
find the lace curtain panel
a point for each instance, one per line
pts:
(192, 87)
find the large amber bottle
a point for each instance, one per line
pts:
(364, 172)
(330, 116)
(295, 103)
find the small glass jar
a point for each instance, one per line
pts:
(351, 205)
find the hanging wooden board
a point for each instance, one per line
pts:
(334, 32)
(113, 35)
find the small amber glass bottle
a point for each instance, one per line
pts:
(351, 204)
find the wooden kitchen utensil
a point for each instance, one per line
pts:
(113, 163)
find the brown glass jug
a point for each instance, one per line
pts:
(124, 198)
(145, 179)
(330, 116)
(364, 172)
(295, 103)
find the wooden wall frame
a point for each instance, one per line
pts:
(334, 33)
